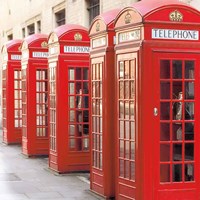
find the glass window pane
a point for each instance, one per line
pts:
(165, 90)
(164, 110)
(189, 151)
(189, 172)
(177, 131)
(177, 172)
(164, 173)
(164, 152)
(121, 148)
(177, 152)
(189, 110)
(177, 69)
(132, 69)
(132, 170)
(71, 88)
(71, 130)
(121, 70)
(177, 89)
(132, 151)
(85, 74)
(121, 90)
(71, 116)
(93, 72)
(121, 129)
(189, 69)
(189, 131)
(164, 131)
(121, 168)
(189, 90)
(165, 69)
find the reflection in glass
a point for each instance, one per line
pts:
(121, 90)
(165, 69)
(177, 133)
(132, 111)
(72, 143)
(121, 167)
(71, 115)
(177, 69)
(126, 89)
(121, 69)
(121, 148)
(189, 70)
(132, 90)
(100, 71)
(121, 131)
(126, 71)
(177, 88)
(132, 170)
(126, 175)
(132, 131)
(189, 131)
(164, 152)
(72, 130)
(132, 150)
(189, 90)
(189, 110)
(121, 109)
(126, 110)
(132, 69)
(189, 172)
(71, 88)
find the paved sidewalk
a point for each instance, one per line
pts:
(24, 178)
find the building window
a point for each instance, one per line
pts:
(94, 9)
(10, 36)
(60, 17)
(23, 33)
(31, 29)
(38, 26)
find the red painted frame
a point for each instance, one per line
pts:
(68, 54)
(102, 75)
(143, 17)
(35, 139)
(11, 85)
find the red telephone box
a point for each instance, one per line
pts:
(35, 140)
(158, 81)
(102, 104)
(69, 99)
(11, 92)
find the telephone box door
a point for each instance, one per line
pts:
(176, 138)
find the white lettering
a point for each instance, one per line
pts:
(175, 34)
(40, 54)
(76, 49)
(99, 42)
(128, 36)
(15, 57)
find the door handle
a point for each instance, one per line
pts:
(155, 112)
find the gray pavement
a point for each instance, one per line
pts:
(23, 178)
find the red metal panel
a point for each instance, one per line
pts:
(103, 105)
(158, 175)
(69, 79)
(11, 91)
(35, 90)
